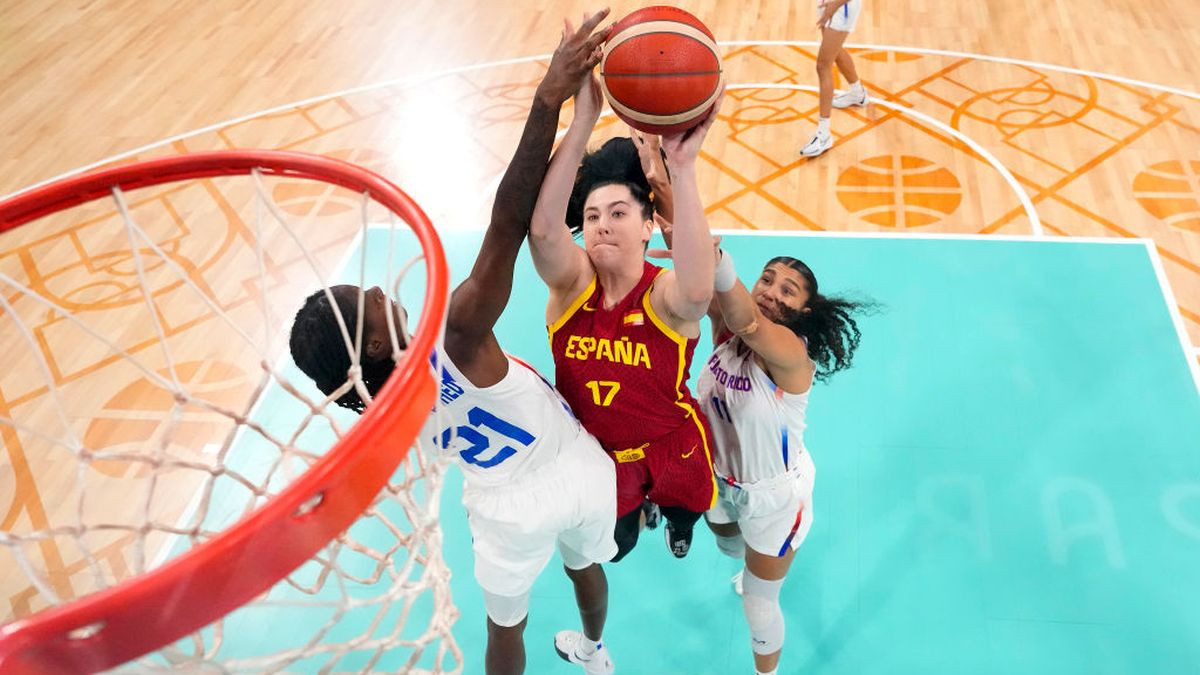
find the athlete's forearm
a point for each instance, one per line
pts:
(737, 308)
(517, 193)
(691, 243)
(550, 213)
(477, 304)
(555, 255)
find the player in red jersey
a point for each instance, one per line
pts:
(623, 331)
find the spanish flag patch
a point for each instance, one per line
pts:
(634, 317)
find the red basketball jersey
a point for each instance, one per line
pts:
(623, 370)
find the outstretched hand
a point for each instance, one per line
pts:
(649, 148)
(683, 147)
(578, 52)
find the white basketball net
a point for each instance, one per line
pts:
(151, 403)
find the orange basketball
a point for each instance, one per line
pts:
(661, 72)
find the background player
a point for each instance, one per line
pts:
(837, 19)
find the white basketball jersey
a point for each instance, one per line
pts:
(502, 431)
(759, 428)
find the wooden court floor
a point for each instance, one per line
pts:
(1066, 119)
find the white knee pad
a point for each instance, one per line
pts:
(506, 611)
(734, 547)
(760, 600)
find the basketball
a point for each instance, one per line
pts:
(661, 72)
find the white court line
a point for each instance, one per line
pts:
(834, 234)
(931, 236)
(1189, 352)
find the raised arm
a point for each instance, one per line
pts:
(685, 292)
(558, 260)
(477, 303)
(785, 353)
(651, 156)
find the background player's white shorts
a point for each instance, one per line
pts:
(846, 16)
(571, 501)
(773, 514)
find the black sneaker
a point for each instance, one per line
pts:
(652, 514)
(679, 542)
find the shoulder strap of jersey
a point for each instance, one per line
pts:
(573, 307)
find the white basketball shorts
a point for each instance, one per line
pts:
(773, 514)
(571, 502)
(846, 16)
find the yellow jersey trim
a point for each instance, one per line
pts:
(681, 342)
(662, 325)
(703, 441)
(572, 308)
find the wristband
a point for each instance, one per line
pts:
(724, 276)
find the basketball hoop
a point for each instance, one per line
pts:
(197, 575)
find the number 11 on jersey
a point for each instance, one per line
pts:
(721, 410)
(608, 388)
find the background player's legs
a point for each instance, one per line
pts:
(845, 66)
(855, 93)
(831, 46)
(761, 583)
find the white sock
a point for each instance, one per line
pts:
(587, 646)
(856, 87)
(823, 125)
(766, 672)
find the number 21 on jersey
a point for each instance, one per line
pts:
(481, 441)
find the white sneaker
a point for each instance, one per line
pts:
(566, 643)
(850, 97)
(820, 143)
(737, 582)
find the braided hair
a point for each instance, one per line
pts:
(614, 163)
(826, 323)
(319, 350)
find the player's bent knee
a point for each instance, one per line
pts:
(504, 610)
(760, 601)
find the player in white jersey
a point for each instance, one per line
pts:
(836, 19)
(533, 477)
(772, 341)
